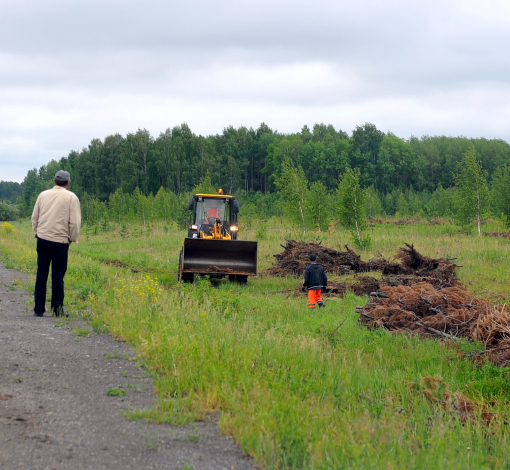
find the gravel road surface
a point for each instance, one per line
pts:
(54, 411)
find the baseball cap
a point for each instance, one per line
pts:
(62, 175)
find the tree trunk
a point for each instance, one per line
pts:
(478, 217)
(356, 219)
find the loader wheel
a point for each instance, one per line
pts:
(185, 277)
(188, 277)
(241, 279)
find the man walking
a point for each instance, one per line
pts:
(56, 221)
(316, 281)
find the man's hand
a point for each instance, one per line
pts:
(303, 288)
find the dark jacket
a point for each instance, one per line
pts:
(315, 277)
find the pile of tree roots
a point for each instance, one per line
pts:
(497, 234)
(417, 294)
(450, 313)
(413, 267)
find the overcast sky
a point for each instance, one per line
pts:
(71, 71)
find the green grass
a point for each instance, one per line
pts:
(116, 392)
(296, 389)
(81, 332)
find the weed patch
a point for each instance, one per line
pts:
(81, 332)
(116, 392)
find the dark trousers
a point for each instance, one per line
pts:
(55, 254)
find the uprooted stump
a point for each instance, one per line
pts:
(362, 285)
(451, 313)
(497, 234)
(454, 403)
(413, 266)
(296, 256)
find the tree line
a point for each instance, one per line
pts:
(399, 176)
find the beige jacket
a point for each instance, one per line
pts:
(57, 216)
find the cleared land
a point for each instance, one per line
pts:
(294, 388)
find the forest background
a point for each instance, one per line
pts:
(140, 178)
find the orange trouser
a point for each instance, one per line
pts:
(314, 296)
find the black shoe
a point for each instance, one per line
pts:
(38, 315)
(59, 312)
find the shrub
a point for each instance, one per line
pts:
(8, 211)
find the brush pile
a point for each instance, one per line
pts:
(497, 234)
(295, 258)
(413, 266)
(418, 294)
(451, 312)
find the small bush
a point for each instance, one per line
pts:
(8, 211)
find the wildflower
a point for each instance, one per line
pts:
(8, 228)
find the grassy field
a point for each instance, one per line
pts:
(295, 388)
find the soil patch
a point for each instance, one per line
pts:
(121, 264)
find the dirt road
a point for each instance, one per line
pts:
(54, 409)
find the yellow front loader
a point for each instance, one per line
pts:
(211, 247)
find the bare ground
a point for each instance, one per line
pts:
(54, 411)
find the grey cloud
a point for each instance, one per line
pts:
(71, 71)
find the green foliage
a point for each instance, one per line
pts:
(351, 207)
(319, 206)
(293, 188)
(441, 203)
(472, 196)
(373, 204)
(396, 164)
(8, 211)
(500, 194)
(10, 192)
(205, 186)
(405, 174)
(135, 161)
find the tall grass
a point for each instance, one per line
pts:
(296, 389)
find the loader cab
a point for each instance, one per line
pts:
(214, 215)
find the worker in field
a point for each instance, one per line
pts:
(56, 221)
(316, 281)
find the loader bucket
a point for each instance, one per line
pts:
(206, 256)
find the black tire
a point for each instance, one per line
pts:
(184, 277)
(188, 277)
(241, 279)
(179, 268)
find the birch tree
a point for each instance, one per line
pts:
(293, 188)
(351, 206)
(472, 192)
(319, 206)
